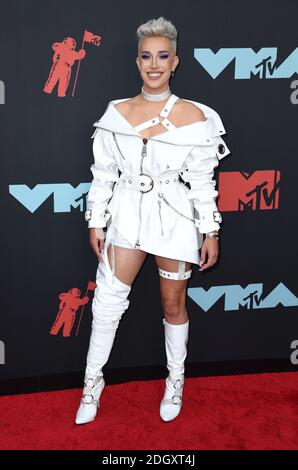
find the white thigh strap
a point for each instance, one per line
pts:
(181, 274)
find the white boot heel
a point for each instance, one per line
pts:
(171, 403)
(91, 399)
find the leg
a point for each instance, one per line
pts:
(68, 324)
(58, 323)
(109, 303)
(64, 80)
(128, 263)
(52, 78)
(174, 276)
(173, 289)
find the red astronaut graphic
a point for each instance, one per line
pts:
(63, 59)
(70, 302)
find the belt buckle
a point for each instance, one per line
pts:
(142, 182)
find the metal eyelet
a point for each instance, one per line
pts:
(88, 214)
(221, 148)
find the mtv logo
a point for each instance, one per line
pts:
(248, 63)
(239, 191)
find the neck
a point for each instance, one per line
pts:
(155, 91)
(158, 95)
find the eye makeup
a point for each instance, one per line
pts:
(162, 55)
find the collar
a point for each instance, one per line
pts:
(197, 133)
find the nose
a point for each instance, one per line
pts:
(154, 62)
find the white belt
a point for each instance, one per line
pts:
(144, 182)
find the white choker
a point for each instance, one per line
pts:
(159, 97)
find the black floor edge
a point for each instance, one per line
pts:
(115, 376)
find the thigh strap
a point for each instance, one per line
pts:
(181, 274)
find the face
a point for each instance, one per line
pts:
(156, 61)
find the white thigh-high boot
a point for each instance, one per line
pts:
(109, 303)
(176, 338)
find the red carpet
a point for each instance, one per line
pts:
(234, 412)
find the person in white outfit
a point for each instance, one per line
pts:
(153, 192)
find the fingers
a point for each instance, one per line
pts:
(101, 248)
(97, 249)
(101, 238)
(211, 262)
(96, 239)
(212, 253)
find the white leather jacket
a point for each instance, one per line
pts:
(138, 183)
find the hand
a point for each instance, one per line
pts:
(210, 247)
(96, 238)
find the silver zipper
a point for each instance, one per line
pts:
(180, 213)
(144, 149)
(118, 146)
(143, 154)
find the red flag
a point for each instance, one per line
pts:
(91, 286)
(92, 38)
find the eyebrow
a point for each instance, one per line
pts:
(148, 52)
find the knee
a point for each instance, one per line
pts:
(173, 307)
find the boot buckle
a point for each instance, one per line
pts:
(178, 387)
(92, 400)
(176, 399)
(88, 389)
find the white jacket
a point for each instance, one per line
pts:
(169, 219)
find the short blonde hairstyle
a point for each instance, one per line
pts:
(158, 27)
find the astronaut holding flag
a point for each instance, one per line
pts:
(64, 58)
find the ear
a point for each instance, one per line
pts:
(176, 60)
(138, 62)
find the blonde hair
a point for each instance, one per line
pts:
(158, 27)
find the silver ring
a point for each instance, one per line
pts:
(151, 183)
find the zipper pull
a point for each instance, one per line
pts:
(144, 149)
